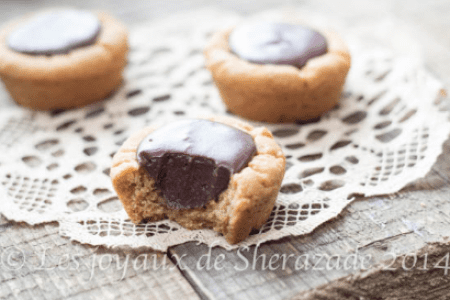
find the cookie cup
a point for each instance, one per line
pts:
(278, 93)
(82, 76)
(245, 205)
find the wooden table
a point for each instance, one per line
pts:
(57, 268)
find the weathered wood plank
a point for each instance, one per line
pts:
(37, 263)
(398, 283)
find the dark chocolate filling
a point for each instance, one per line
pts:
(277, 43)
(55, 32)
(192, 161)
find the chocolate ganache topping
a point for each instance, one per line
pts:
(55, 32)
(192, 160)
(277, 43)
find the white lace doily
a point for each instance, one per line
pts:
(387, 131)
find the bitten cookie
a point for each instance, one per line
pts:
(220, 174)
(278, 72)
(59, 59)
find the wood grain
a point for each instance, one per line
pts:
(36, 263)
(373, 230)
(417, 283)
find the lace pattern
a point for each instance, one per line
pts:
(386, 132)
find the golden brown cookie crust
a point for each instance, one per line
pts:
(246, 204)
(82, 76)
(278, 93)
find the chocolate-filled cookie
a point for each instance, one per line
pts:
(221, 174)
(278, 72)
(62, 58)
